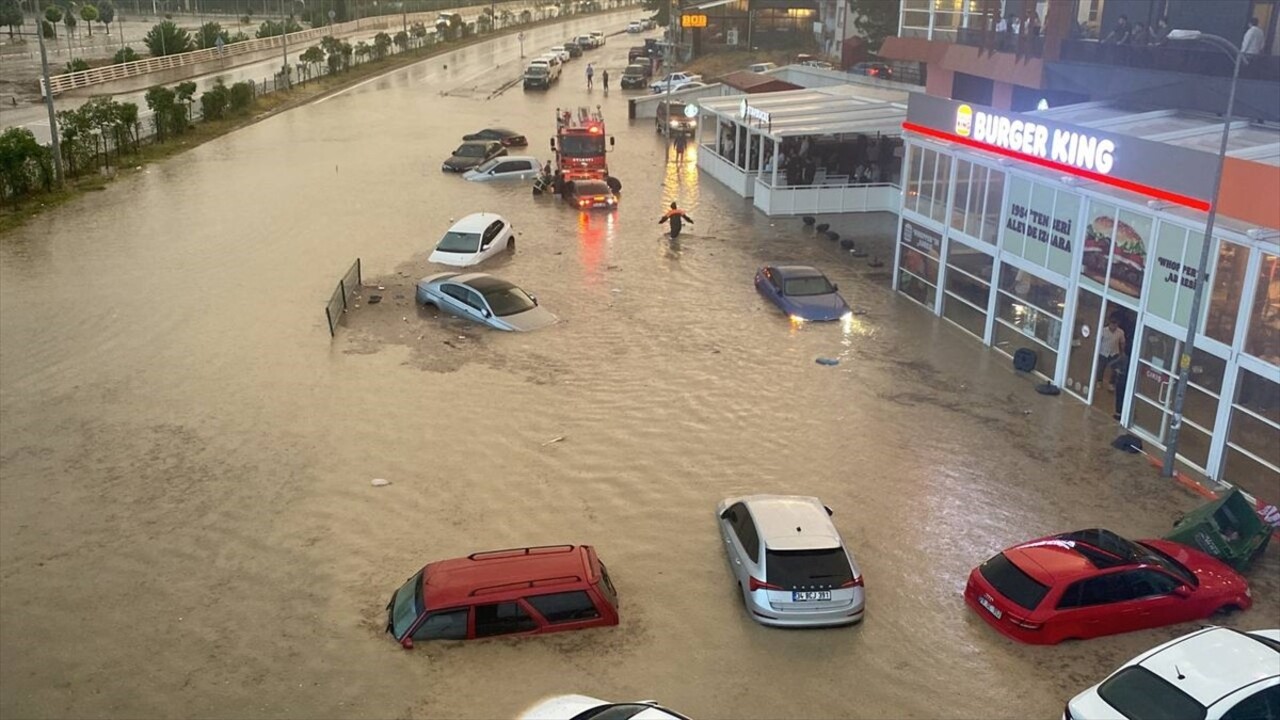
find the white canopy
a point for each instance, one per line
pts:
(815, 111)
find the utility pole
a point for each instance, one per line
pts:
(284, 41)
(48, 102)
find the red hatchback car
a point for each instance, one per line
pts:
(1093, 582)
(522, 591)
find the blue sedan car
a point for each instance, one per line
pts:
(483, 298)
(802, 293)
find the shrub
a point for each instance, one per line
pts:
(242, 96)
(126, 54)
(77, 65)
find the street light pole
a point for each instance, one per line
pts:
(284, 41)
(1202, 279)
(48, 101)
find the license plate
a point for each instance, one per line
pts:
(808, 595)
(984, 602)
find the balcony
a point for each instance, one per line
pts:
(1192, 58)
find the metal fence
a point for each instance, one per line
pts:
(337, 304)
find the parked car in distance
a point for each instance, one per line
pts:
(1210, 674)
(761, 67)
(473, 239)
(575, 50)
(582, 707)
(873, 69)
(507, 167)
(790, 563)
(635, 76)
(688, 85)
(562, 52)
(471, 153)
(635, 26)
(1090, 583)
(802, 293)
(599, 37)
(589, 195)
(671, 118)
(508, 138)
(638, 53)
(674, 80)
(522, 591)
(587, 42)
(820, 64)
(484, 299)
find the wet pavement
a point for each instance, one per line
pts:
(188, 526)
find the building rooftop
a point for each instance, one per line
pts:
(820, 111)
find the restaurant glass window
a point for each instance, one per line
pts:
(991, 209)
(1262, 338)
(1100, 221)
(965, 178)
(1232, 268)
(1040, 225)
(928, 167)
(941, 186)
(1176, 253)
(1115, 249)
(1031, 307)
(915, 153)
(1252, 458)
(968, 287)
(918, 263)
(915, 18)
(1011, 239)
(975, 202)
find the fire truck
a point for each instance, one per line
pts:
(579, 149)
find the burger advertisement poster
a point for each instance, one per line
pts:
(1115, 249)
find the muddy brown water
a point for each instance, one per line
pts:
(188, 527)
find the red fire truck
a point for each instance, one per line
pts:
(579, 148)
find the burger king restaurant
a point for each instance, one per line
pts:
(1030, 230)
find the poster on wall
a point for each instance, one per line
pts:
(1118, 246)
(923, 239)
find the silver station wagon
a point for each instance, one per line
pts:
(789, 561)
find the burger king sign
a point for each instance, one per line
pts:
(1076, 149)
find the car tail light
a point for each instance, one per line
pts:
(758, 585)
(856, 582)
(1024, 623)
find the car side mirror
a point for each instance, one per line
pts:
(407, 643)
(835, 287)
(486, 312)
(612, 140)
(1182, 591)
(830, 512)
(534, 298)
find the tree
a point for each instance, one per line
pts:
(874, 19)
(238, 37)
(185, 93)
(69, 19)
(88, 14)
(312, 55)
(271, 28)
(208, 34)
(106, 13)
(11, 15)
(168, 115)
(214, 101)
(418, 30)
(362, 51)
(660, 11)
(381, 42)
(76, 65)
(21, 160)
(166, 38)
(126, 54)
(402, 40)
(47, 29)
(53, 14)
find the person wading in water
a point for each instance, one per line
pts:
(677, 218)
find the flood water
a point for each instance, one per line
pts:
(188, 527)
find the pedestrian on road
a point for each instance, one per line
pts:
(591, 71)
(676, 217)
(681, 144)
(604, 76)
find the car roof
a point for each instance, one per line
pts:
(638, 66)
(792, 522)
(1067, 556)
(486, 284)
(591, 186)
(787, 272)
(460, 581)
(476, 222)
(1210, 664)
(504, 158)
(477, 142)
(501, 130)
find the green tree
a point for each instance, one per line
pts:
(106, 13)
(242, 96)
(874, 19)
(53, 14)
(214, 101)
(21, 159)
(88, 14)
(381, 43)
(271, 28)
(660, 11)
(166, 111)
(11, 15)
(127, 119)
(237, 37)
(47, 30)
(79, 144)
(166, 38)
(76, 65)
(363, 51)
(312, 55)
(125, 54)
(402, 40)
(185, 93)
(208, 34)
(69, 19)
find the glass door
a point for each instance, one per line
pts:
(1153, 384)
(1084, 343)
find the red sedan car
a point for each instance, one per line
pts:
(1093, 582)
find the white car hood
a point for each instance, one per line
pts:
(454, 259)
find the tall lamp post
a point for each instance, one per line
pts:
(1197, 297)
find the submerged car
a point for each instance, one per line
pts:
(589, 195)
(802, 293)
(474, 239)
(485, 299)
(1090, 583)
(471, 153)
(582, 707)
(1211, 674)
(575, 50)
(790, 562)
(505, 167)
(521, 591)
(508, 138)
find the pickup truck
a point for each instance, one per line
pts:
(674, 81)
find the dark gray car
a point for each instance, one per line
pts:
(471, 153)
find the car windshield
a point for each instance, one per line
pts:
(591, 187)
(470, 150)
(508, 300)
(1139, 694)
(487, 165)
(791, 569)
(459, 242)
(537, 70)
(1173, 566)
(406, 605)
(634, 70)
(582, 145)
(618, 711)
(815, 285)
(1010, 581)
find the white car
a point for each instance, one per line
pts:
(820, 64)
(688, 85)
(551, 63)
(599, 38)
(572, 707)
(761, 67)
(473, 239)
(1214, 673)
(635, 26)
(510, 167)
(674, 80)
(561, 52)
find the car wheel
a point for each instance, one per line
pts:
(614, 184)
(511, 245)
(1226, 610)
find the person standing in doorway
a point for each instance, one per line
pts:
(604, 78)
(591, 72)
(681, 143)
(1110, 346)
(1252, 43)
